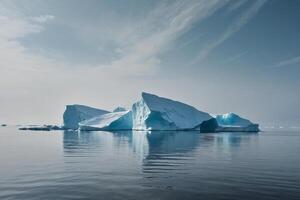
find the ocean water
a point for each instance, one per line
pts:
(141, 165)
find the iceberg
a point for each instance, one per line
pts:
(42, 128)
(229, 122)
(152, 112)
(77, 113)
(109, 121)
(157, 113)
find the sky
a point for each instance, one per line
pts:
(220, 56)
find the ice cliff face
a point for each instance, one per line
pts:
(110, 121)
(77, 113)
(157, 113)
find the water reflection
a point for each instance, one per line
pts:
(231, 142)
(74, 140)
(172, 142)
(153, 145)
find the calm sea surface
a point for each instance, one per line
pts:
(140, 165)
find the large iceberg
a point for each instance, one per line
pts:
(228, 122)
(110, 121)
(157, 113)
(77, 113)
(152, 112)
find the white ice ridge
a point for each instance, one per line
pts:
(157, 113)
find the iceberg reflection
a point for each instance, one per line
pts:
(153, 145)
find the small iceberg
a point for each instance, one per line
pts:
(229, 122)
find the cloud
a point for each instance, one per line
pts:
(236, 57)
(15, 27)
(43, 18)
(236, 5)
(242, 20)
(135, 47)
(12, 53)
(291, 61)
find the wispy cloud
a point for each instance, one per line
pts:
(236, 56)
(291, 61)
(155, 33)
(138, 48)
(242, 20)
(236, 5)
(43, 18)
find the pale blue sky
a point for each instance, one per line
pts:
(220, 56)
